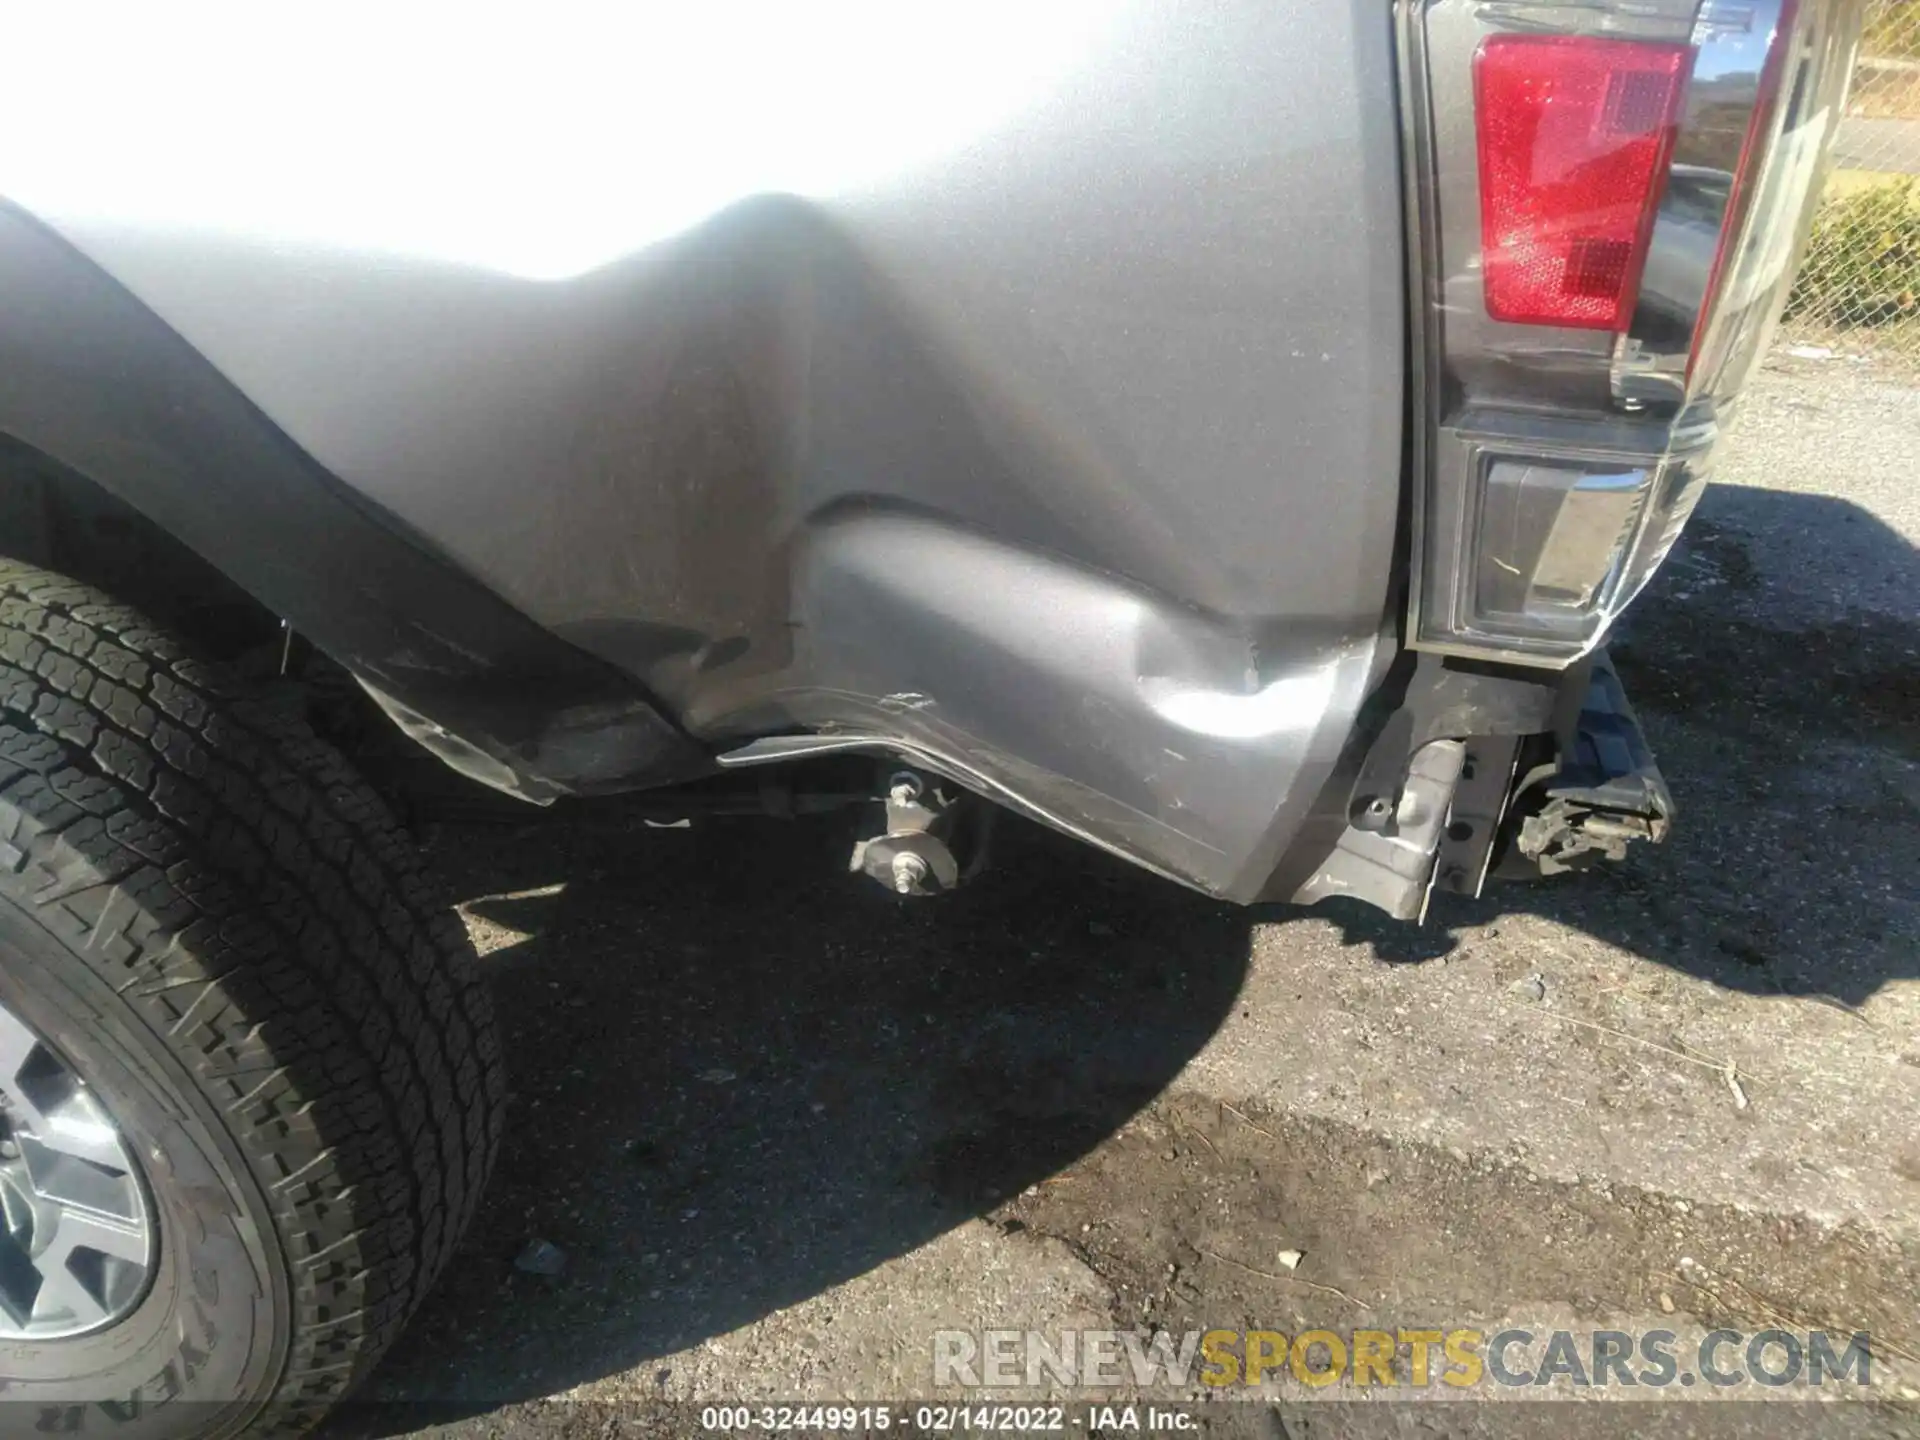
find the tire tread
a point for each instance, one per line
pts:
(237, 882)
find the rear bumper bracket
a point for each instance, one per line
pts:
(1605, 793)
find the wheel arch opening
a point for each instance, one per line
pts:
(53, 516)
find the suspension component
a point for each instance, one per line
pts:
(934, 835)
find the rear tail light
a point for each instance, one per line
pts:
(1605, 201)
(1574, 135)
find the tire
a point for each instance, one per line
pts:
(208, 917)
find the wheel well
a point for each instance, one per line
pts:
(54, 517)
(57, 518)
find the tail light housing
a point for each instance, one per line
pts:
(1606, 202)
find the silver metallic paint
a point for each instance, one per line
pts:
(1069, 455)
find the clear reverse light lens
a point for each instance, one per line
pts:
(1552, 539)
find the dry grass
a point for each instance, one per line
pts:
(1887, 84)
(1885, 93)
(1893, 29)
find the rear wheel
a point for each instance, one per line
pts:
(249, 1086)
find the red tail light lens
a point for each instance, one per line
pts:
(1574, 135)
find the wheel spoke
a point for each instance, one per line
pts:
(64, 1301)
(78, 1237)
(17, 1042)
(65, 1298)
(81, 1231)
(78, 1127)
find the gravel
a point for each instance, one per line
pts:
(785, 1129)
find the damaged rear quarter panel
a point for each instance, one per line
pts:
(1083, 426)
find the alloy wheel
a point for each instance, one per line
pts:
(78, 1237)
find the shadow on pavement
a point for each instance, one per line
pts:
(742, 1078)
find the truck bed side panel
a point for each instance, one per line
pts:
(1026, 388)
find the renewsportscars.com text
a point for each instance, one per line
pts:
(1412, 1358)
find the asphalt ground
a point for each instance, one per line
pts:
(1890, 145)
(783, 1130)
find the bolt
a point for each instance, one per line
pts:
(903, 787)
(908, 871)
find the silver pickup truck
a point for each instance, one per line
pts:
(1224, 432)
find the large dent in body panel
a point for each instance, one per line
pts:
(1293, 704)
(1145, 331)
(1179, 738)
(1151, 320)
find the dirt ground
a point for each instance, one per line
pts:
(784, 1128)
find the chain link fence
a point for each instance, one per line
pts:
(1860, 282)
